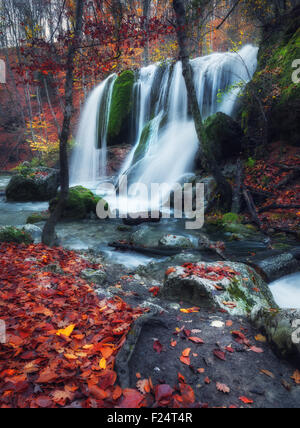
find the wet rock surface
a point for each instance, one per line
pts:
(282, 329)
(252, 370)
(174, 241)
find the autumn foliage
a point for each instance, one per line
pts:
(62, 340)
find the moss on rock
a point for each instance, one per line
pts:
(224, 136)
(37, 218)
(81, 202)
(121, 107)
(143, 144)
(33, 184)
(273, 85)
(14, 235)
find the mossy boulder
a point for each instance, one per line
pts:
(236, 293)
(37, 217)
(120, 109)
(80, 203)
(224, 136)
(281, 329)
(14, 235)
(33, 184)
(272, 87)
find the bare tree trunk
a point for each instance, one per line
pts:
(146, 12)
(237, 194)
(50, 106)
(207, 157)
(48, 237)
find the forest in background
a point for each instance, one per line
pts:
(117, 35)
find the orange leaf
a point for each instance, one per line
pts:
(196, 340)
(186, 352)
(170, 270)
(185, 360)
(246, 400)
(296, 377)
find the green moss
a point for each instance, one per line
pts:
(143, 144)
(236, 293)
(224, 136)
(121, 106)
(274, 86)
(81, 202)
(14, 235)
(37, 218)
(232, 218)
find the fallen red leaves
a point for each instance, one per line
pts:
(275, 179)
(61, 339)
(213, 273)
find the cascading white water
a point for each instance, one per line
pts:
(88, 163)
(142, 95)
(163, 134)
(286, 291)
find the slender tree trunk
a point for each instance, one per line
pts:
(48, 237)
(50, 106)
(207, 157)
(146, 12)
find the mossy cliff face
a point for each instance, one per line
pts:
(273, 86)
(121, 107)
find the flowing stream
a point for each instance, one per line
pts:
(286, 291)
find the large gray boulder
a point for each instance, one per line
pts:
(234, 287)
(33, 184)
(282, 329)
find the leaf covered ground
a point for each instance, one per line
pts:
(275, 183)
(62, 339)
(62, 342)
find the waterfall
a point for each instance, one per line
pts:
(163, 136)
(170, 147)
(88, 162)
(286, 291)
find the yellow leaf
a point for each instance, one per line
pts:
(261, 338)
(70, 356)
(67, 331)
(102, 364)
(88, 346)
